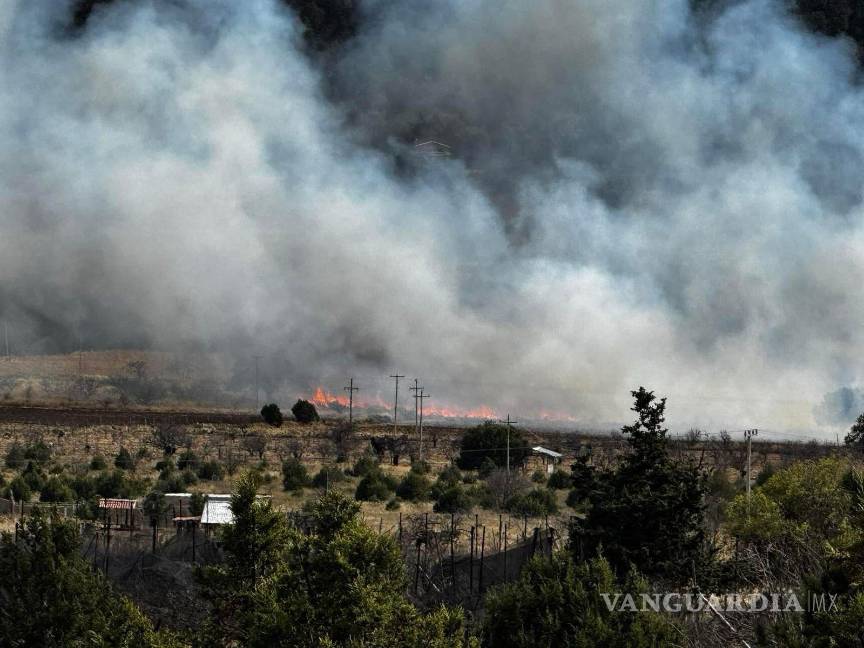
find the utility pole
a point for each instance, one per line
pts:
(748, 435)
(257, 401)
(396, 404)
(351, 389)
(6, 335)
(509, 423)
(416, 389)
(421, 396)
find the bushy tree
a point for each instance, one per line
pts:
(855, 438)
(304, 411)
(489, 441)
(56, 490)
(188, 459)
(38, 452)
(414, 487)
(124, 460)
(98, 463)
(364, 466)
(294, 475)
(15, 458)
(453, 499)
(272, 415)
(339, 585)
(327, 476)
(649, 512)
(556, 602)
(559, 480)
(50, 597)
(535, 503)
(20, 490)
(211, 470)
(375, 487)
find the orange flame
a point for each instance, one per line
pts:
(325, 398)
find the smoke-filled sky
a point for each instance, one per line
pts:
(636, 196)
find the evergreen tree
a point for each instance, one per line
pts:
(648, 512)
(50, 597)
(556, 602)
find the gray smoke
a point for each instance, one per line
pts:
(635, 197)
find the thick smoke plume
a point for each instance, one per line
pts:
(634, 196)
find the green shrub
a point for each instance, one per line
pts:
(538, 477)
(196, 504)
(16, 458)
(84, 487)
(38, 452)
(453, 499)
(294, 475)
(414, 487)
(166, 464)
(272, 415)
(124, 460)
(188, 459)
(535, 503)
(34, 476)
(117, 484)
(364, 466)
(21, 491)
(189, 477)
(303, 411)
(211, 471)
(486, 467)
(98, 463)
(420, 467)
(56, 490)
(393, 504)
(559, 480)
(374, 487)
(328, 475)
(490, 441)
(171, 484)
(450, 475)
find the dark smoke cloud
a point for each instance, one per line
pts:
(635, 197)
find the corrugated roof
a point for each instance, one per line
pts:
(115, 503)
(217, 510)
(547, 452)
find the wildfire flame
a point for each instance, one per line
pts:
(325, 398)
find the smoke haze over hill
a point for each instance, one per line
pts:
(635, 197)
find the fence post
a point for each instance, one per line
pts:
(471, 565)
(417, 568)
(505, 552)
(482, 554)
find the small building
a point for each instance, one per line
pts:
(549, 458)
(217, 511)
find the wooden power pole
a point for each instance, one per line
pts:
(749, 434)
(396, 404)
(351, 389)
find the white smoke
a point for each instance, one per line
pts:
(635, 199)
